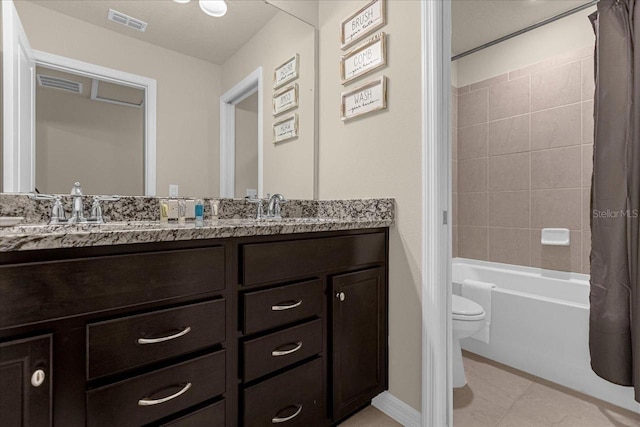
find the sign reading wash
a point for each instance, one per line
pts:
(363, 22)
(371, 96)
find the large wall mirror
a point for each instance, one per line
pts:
(95, 130)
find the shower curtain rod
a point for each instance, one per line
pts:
(527, 29)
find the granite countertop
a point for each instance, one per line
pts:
(336, 216)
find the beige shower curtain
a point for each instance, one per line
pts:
(614, 324)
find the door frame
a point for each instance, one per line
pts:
(244, 88)
(93, 71)
(437, 392)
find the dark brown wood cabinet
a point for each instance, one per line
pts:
(358, 339)
(204, 333)
(25, 382)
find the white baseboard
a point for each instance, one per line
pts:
(397, 409)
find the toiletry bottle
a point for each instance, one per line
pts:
(164, 212)
(182, 211)
(199, 213)
(215, 209)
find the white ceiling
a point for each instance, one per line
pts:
(476, 22)
(180, 27)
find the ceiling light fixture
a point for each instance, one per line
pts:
(182, 1)
(215, 8)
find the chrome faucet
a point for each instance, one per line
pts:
(57, 216)
(77, 209)
(258, 202)
(273, 208)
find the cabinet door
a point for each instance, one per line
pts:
(359, 339)
(25, 382)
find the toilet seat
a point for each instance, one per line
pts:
(465, 309)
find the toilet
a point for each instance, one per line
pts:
(468, 318)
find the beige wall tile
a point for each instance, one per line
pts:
(557, 127)
(535, 68)
(586, 252)
(464, 89)
(556, 209)
(557, 168)
(472, 209)
(563, 258)
(587, 165)
(490, 82)
(509, 99)
(454, 176)
(509, 172)
(472, 142)
(454, 209)
(556, 87)
(472, 175)
(573, 55)
(472, 242)
(588, 82)
(509, 245)
(454, 107)
(586, 209)
(509, 135)
(587, 122)
(454, 242)
(454, 143)
(509, 209)
(472, 108)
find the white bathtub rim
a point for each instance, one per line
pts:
(520, 269)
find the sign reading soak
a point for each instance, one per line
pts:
(286, 72)
(363, 22)
(364, 59)
(285, 129)
(365, 99)
(285, 99)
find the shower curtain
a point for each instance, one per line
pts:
(614, 324)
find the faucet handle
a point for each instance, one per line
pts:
(57, 209)
(256, 201)
(96, 209)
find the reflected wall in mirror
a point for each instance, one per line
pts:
(194, 58)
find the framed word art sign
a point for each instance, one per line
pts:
(285, 99)
(286, 72)
(364, 59)
(363, 22)
(369, 97)
(285, 129)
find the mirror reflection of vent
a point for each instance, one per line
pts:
(126, 20)
(60, 84)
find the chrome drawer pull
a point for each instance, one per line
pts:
(276, 353)
(182, 333)
(278, 420)
(280, 307)
(151, 402)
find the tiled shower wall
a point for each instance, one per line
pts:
(523, 152)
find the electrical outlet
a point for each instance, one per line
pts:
(173, 190)
(173, 209)
(252, 193)
(191, 209)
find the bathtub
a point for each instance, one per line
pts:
(540, 325)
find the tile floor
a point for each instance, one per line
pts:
(499, 396)
(370, 416)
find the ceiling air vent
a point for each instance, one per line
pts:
(121, 18)
(58, 83)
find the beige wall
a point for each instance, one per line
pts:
(306, 10)
(380, 156)
(524, 157)
(188, 93)
(288, 165)
(96, 143)
(564, 35)
(246, 169)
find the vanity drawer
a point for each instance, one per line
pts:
(50, 290)
(209, 416)
(120, 344)
(268, 262)
(278, 306)
(278, 350)
(296, 394)
(121, 404)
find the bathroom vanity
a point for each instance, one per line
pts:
(267, 324)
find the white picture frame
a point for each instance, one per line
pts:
(363, 22)
(285, 129)
(285, 99)
(364, 59)
(365, 99)
(286, 72)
